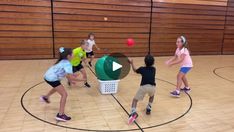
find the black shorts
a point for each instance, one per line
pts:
(77, 68)
(89, 54)
(53, 84)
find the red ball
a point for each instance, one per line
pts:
(130, 42)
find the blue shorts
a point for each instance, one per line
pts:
(185, 69)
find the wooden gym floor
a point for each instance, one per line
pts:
(209, 108)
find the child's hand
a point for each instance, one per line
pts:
(130, 61)
(73, 82)
(74, 75)
(85, 63)
(167, 63)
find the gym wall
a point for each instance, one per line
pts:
(37, 28)
(25, 29)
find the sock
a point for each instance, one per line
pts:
(149, 106)
(178, 91)
(133, 110)
(187, 87)
(149, 103)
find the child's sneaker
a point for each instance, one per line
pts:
(90, 64)
(175, 94)
(62, 117)
(87, 85)
(44, 99)
(132, 117)
(187, 90)
(148, 110)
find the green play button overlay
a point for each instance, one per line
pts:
(116, 66)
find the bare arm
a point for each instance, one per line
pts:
(133, 66)
(177, 60)
(72, 78)
(84, 60)
(97, 47)
(173, 58)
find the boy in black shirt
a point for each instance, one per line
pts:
(147, 86)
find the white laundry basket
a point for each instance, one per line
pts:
(108, 87)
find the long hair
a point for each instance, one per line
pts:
(185, 42)
(63, 53)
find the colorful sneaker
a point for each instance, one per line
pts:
(44, 99)
(90, 64)
(187, 90)
(87, 85)
(175, 94)
(62, 117)
(148, 110)
(132, 117)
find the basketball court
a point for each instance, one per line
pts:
(32, 31)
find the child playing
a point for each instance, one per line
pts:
(182, 57)
(62, 68)
(89, 50)
(147, 86)
(79, 55)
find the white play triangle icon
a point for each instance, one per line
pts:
(115, 66)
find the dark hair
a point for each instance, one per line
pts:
(83, 42)
(149, 60)
(63, 53)
(184, 41)
(91, 34)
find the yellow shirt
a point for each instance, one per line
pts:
(78, 55)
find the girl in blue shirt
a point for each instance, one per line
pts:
(62, 68)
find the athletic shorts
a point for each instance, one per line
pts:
(143, 90)
(77, 68)
(53, 83)
(185, 69)
(89, 54)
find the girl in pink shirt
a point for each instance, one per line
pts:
(182, 57)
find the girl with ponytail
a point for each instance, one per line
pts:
(182, 57)
(62, 68)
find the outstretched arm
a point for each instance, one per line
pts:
(132, 64)
(171, 59)
(177, 61)
(72, 78)
(97, 47)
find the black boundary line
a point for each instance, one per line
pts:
(214, 71)
(56, 124)
(52, 27)
(118, 102)
(126, 112)
(190, 107)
